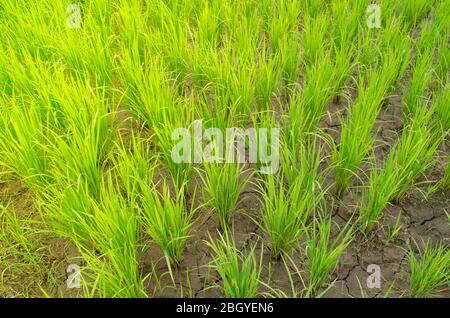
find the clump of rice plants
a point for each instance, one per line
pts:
(104, 229)
(282, 225)
(167, 220)
(287, 208)
(346, 14)
(409, 157)
(134, 165)
(356, 136)
(315, 32)
(149, 90)
(87, 117)
(301, 162)
(267, 79)
(176, 117)
(323, 252)
(440, 100)
(420, 80)
(239, 271)
(22, 142)
(223, 185)
(309, 104)
(115, 234)
(287, 205)
(290, 60)
(430, 271)
(445, 181)
(413, 11)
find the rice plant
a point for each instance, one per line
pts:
(301, 162)
(314, 34)
(87, 118)
(286, 212)
(167, 220)
(239, 270)
(134, 165)
(413, 11)
(409, 157)
(267, 79)
(105, 232)
(445, 181)
(430, 271)
(440, 101)
(22, 142)
(176, 117)
(115, 234)
(323, 252)
(308, 105)
(223, 185)
(356, 136)
(420, 80)
(290, 59)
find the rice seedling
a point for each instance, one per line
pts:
(167, 138)
(323, 252)
(286, 210)
(301, 161)
(314, 38)
(445, 181)
(148, 90)
(87, 137)
(430, 271)
(22, 143)
(420, 80)
(392, 232)
(290, 58)
(440, 100)
(281, 224)
(208, 25)
(346, 14)
(394, 46)
(167, 220)
(67, 208)
(134, 165)
(267, 78)
(415, 153)
(233, 87)
(409, 157)
(381, 188)
(283, 21)
(356, 136)
(223, 185)
(413, 11)
(17, 236)
(105, 231)
(113, 271)
(308, 106)
(239, 271)
(172, 40)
